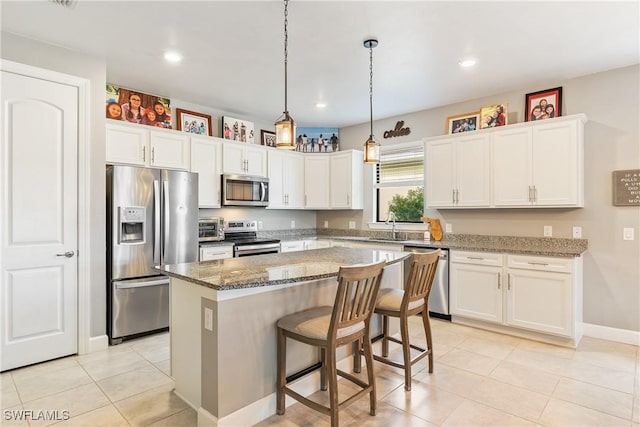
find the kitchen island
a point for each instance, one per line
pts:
(223, 333)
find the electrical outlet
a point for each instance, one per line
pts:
(293, 223)
(448, 228)
(326, 224)
(208, 319)
(628, 234)
(548, 231)
(352, 225)
(577, 232)
(259, 225)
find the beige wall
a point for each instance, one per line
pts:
(612, 142)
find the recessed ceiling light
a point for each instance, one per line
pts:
(320, 105)
(172, 57)
(470, 62)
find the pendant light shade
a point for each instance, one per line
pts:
(371, 147)
(285, 126)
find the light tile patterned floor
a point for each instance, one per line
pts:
(480, 379)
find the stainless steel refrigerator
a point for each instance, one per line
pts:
(152, 219)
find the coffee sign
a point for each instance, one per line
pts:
(399, 130)
(626, 187)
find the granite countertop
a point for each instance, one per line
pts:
(274, 269)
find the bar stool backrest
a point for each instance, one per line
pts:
(421, 275)
(356, 296)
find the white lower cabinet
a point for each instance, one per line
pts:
(540, 294)
(208, 253)
(292, 246)
(316, 244)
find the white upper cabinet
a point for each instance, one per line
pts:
(316, 181)
(206, 160)
(540, 165)
(286, 180)
(243, 159)
(346, 180)
(140, 145)
(457, 171)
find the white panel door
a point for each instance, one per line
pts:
(169, 149)
(475, 291)
(38, 283)
(277, 170)
(440, 173)
(473, 167)
(206, 162)
(512, 167)
(316, 190)
(294, 165)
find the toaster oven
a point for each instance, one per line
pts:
(210, 229)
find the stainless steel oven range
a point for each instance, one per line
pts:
(244, 235)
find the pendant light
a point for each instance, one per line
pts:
(371, 147)
(285, 126)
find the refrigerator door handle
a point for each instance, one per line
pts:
(167, 219)
(156, 221)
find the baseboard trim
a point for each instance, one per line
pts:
(266, 407)
(624, 336)
(101, 342)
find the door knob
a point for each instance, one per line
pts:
(67, 254)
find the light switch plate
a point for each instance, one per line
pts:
(259, 225)
(628, 234)
(577, 232)
(326, 224)
(208, 319)
(548, 231)
(448, 228)
(293, 223)
(352, 224)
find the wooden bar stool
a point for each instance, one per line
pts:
(329, 328)
(400, 303)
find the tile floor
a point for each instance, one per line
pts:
(480, 379)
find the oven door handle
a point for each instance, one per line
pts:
(262, 246)
(261, 251)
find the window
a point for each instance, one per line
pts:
(400, 182)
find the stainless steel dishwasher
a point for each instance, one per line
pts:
(439, 297)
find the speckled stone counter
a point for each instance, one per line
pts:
(275, 269)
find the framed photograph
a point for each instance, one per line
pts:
(136, 107)
(493, 116)
(192, 122)
(317, 140)
(237, 130)
(463, 122)
(267, 138)
(544, 104)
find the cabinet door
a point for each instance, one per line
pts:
(256, 161)
(169, 149)
(512, 167)
(556, 164)
(340, 181)
(473, 169)
(127, 145)
(206, 162)
(475, 291)
(439, 172)
(276, 170)
(316, 181)
(294, 178)
(540, 301)
(233, 159)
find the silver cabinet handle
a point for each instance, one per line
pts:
(457, 196)
(67, 254)
(535, 194)
(144, 154)
(453, 196)
(348, 202)
(474, 257)
(153, 154)
(530, 197)
(499, 279)
(509, 281)
(538, 263)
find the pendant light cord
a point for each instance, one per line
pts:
(286, 50)
(371, 87)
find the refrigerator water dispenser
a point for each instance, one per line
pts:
(131, 225)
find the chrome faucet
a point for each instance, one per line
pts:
(392, 217)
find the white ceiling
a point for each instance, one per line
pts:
(233, 50)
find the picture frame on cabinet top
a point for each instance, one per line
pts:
(544, 104)
(267, 138)
(237, 130)
(192, 122)
(463, 122)
(493, 116)
(134, 106)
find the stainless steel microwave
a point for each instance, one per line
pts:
(244, 190)
(210, 229)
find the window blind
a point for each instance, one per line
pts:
(401, 165)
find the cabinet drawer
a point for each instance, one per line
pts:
(478, 258)
(209, 253)
(559, 265)
(294, 246)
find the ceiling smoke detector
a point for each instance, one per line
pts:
(66, 3)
